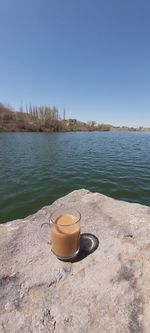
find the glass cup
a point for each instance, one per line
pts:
(65, 233)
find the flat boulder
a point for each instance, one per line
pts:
(106, 289)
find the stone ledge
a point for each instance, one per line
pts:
(107, 291)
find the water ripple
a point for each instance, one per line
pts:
(38, 168)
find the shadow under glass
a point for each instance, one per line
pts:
(88, 244)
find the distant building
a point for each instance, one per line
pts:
(72, 121)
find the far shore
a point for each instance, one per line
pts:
(48, 119)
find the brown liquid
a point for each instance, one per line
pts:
(65, 234)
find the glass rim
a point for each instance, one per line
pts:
(64, 225)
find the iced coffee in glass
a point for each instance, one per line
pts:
(65, 233)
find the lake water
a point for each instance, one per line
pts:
(38, 168)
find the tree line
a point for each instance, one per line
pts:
(43, 118)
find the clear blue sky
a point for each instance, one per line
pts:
(91, 57)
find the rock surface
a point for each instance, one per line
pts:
(106, 291)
